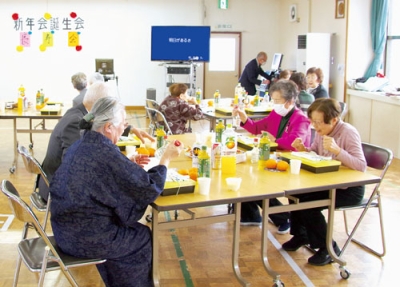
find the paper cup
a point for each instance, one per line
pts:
(295, 165)
(130, 149)
(233, 183)
(204, 185)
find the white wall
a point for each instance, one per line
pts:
(117, 29)
(120, 29)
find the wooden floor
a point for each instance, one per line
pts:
(205, 251)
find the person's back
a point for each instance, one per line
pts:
(66, 132)
(177, 110)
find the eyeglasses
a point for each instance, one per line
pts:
(316, 123)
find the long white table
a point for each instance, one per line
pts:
(256, 185)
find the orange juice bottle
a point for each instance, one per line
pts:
(264, 150)
(217, 97)
(204, 162)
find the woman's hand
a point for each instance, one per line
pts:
(173, 150)
(330, 145)
(142, 134)
(140, 159)
(299, 145)
(236, 111)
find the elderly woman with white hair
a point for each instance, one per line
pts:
(98, 196)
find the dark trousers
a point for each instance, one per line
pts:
(310, 223)
(251, 213)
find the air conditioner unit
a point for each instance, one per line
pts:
(313, 50)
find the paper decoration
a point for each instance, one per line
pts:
(47, 16)
(25, 39)
(15, 16)
(73, 15)
(48, 39)
(73, 39)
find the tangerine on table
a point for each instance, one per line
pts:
(282, 165)
(143, 150)
(210, 103)
(193, 175)
(151, 151)
(183, 171)
(271, 163)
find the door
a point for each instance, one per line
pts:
(223, 71)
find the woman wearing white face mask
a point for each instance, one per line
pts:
(285, 123)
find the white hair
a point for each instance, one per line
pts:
(96, 77)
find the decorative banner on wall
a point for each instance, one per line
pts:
(48, 26)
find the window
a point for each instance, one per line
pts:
(392, 59)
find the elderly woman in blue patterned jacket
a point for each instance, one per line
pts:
(98, 196)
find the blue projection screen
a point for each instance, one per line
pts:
(180, 43)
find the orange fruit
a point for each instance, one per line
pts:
(210, 103)
(143, 150)
(193, 175)
(151, 151)
(271, 163)
(193, 169)
(183, 171)
(282, 165)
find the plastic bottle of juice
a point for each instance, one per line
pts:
(198, 96)
(229, 141)
(22, 101)
(217, 97)
(41, 97)
(216, 156)
(160, 133)
(204, 163)
(38, 102)
(256, 100)
(229, 147)
(255, 152)
(264, 150)
(219, 129)
(160, 151)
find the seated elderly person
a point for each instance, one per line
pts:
(178, 108)
(342, 142)
(304, 99)
(283, 125)
(98, 196)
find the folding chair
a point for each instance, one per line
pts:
(34, 167)
(343, 106)
(380, 159)
(156, 117)
(40, 254)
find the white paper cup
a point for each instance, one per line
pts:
(130, 149)
(295, 165)
(233, 183)
(204, 185)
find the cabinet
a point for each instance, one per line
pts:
(313, 50)
(376, 117)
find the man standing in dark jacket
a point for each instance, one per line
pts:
(249, 78)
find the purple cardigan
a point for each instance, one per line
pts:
(297, 127)
(348, 139)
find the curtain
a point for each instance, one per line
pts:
(378, 34)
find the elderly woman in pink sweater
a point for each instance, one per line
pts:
(342, 142)
(284, 124)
